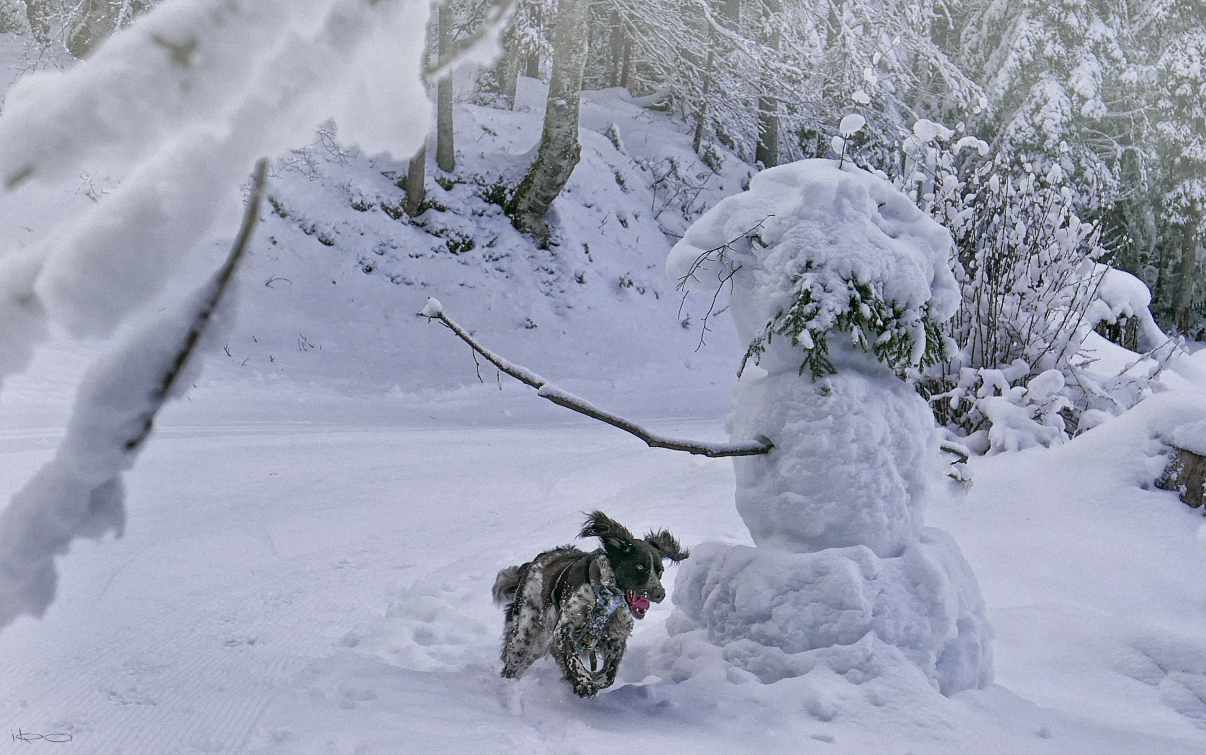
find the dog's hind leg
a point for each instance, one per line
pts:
(524, 635)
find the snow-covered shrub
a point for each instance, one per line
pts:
(844, 565)
(1031, 290)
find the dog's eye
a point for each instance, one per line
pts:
(640, 567)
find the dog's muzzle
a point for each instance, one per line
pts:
(638, 604)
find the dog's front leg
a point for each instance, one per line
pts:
(612, 647)
(566, 652)
(573, 617)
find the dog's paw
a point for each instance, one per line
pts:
(588, 690)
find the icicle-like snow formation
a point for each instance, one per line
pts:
(845, 574)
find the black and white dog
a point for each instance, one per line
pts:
(569, 602)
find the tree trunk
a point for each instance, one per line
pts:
(702, 116)
(618, 40)
(1186, 273)
(93, 21)
(38, 13)
(533, 69)
(416, 188)
(507, 73)
(833, 31)
(445, 149)
(626, 68)
(767, 150)
(559, 149)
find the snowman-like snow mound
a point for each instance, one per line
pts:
(838, 281)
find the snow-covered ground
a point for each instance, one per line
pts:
(313, 531)
(324, 588)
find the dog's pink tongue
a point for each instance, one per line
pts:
(639, 606)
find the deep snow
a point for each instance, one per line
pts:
(313, 530)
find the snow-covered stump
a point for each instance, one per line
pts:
(838, 282)
(1185, 473)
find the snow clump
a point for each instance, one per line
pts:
(845, 574)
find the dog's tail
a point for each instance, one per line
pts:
(505, 586)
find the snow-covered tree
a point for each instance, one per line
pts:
(526, 39)
(1057, 76)
(1178, 129)
(79, 26)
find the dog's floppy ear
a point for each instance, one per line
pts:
(612, 533)
(665, 544)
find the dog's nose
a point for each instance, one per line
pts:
(657, 594)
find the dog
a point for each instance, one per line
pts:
(580, 606)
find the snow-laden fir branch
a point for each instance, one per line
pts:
(546, 390)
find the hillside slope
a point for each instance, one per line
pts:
(337, 273)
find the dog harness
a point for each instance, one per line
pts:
(608, 600)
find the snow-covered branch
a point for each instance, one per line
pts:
(80, 493)
(435, 311)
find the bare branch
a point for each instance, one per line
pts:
(717, 254)
(547, 390)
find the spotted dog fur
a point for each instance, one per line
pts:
(550, 601)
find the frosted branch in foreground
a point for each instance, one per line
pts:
(546, 390)
(80, 492)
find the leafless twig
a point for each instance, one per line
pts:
(547, 390)
(723, 276)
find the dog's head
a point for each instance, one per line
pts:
(636, 563)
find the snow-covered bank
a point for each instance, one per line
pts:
(336, 270)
